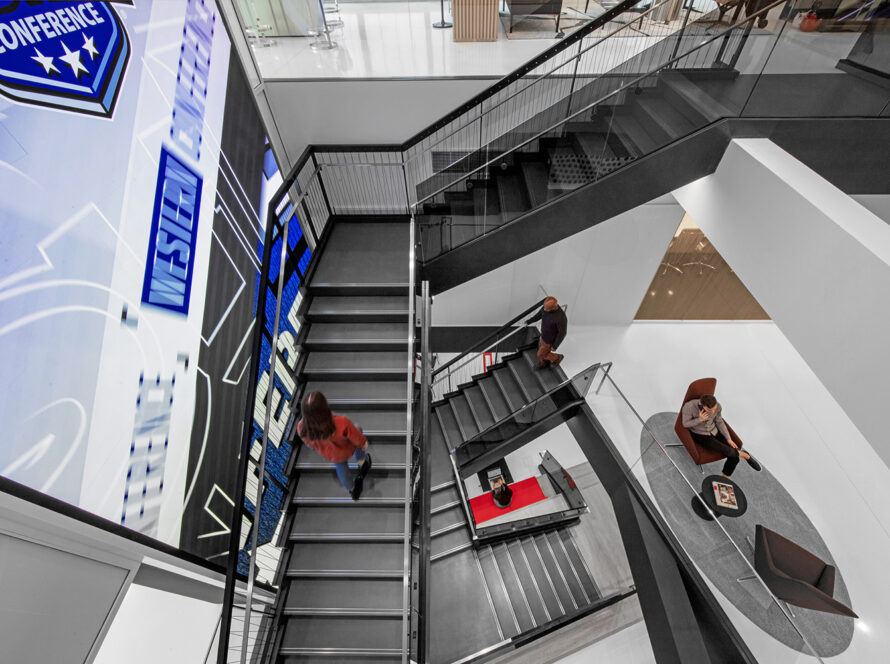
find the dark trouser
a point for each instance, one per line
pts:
(718, 443)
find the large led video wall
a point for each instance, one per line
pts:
(135, 177)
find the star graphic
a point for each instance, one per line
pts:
(89, 46)
(45, 61)
(72, 59)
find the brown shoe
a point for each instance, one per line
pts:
(558, 360)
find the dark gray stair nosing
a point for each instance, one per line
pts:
(341, 652)
(451, 551)
(347, 537)
(552, 585)
(346, 501)
(351, 613)
(448, 529)
(500, 385)
(324, 466)
(522, 387)
(460, 426)
(519, 585)
(442, 486)
(344, 574)
(351, 287)
(445, 507)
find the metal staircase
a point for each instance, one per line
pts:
(342, 593)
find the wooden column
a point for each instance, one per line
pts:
(475, 20)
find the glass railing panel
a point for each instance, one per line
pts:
(719, 541)
(826, 62)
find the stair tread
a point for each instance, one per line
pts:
(326, 361)
(352, 331)
(389, 484)
(345, 593)
(370, 520)
(349, 633)
(340, 556)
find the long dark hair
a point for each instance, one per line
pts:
(317, 422)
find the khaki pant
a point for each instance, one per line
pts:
(546, 354)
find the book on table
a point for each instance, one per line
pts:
(725, 496)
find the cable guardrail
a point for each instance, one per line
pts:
(747, 22)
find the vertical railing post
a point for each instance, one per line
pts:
(680, 33)
(425, 471)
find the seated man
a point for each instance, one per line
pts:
(502, 494)
(703, 417)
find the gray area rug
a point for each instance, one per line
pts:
(770, 505)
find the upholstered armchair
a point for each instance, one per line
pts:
(700, 455)
(795, 575)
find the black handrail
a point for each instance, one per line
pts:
(491, 337)
(517, 74)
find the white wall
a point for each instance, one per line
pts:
(816, 260)
(154, 626)
(601, 273)
(362, 112)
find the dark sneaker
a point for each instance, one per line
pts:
(754, 463)
(365, 467)
(357, 487)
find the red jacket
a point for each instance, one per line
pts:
(342, 444)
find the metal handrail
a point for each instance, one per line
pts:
(515, 75)
(595, 367)
(406, 588)
(537, 80)
(493, 336)
(633, 82)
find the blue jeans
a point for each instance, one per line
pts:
(344, 474)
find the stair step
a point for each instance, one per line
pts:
(466, 421)
(449, 541)
(527, 377)
(578, 591)
(339, 656)
(556, 573)
(577, 560)
(344, 612)
(339, 556)
(549, 377)
(513, 395)
(308, 634)
(513, 586)
(345, 537)
(362, 394)
(503, 607)
(444, 497)
(359, 288)
(389, 484)
(372, 520)
(479, 406)
(662, 114)
(492, 391)
(447, 518)
(535, 175)
(448, 425)
(684, 91)
(546, 585)
(512, 196)
(347, 502)
(342, 596)
(354, 308)
(633, 133)
(533, 597)
(357, 336)
(356, 365)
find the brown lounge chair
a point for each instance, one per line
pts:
(700, 455)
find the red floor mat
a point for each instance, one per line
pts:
(525, 493)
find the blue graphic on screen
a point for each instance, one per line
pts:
(67, 55)
(174, 231)
(275, 481)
